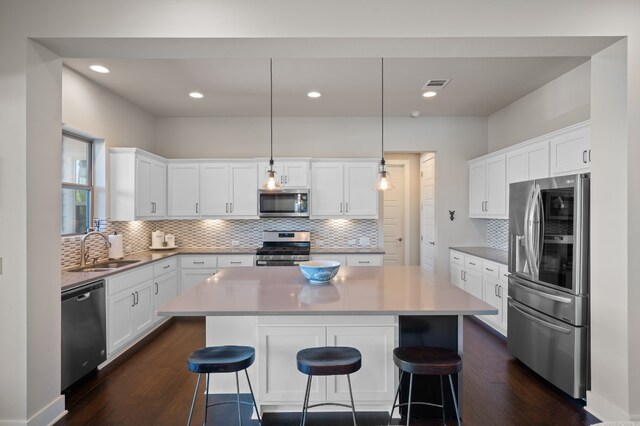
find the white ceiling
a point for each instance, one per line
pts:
(236, 87)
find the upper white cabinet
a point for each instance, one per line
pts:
(344, 189)
(213, 189)
(571, 151)
(137, 185)
(488, 188)
(528, 162)
(292, 173)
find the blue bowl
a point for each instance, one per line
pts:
(319, 271)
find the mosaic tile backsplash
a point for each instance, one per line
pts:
(498, 234)
(220, 233)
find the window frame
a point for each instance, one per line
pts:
(90, 178)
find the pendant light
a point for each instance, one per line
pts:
(383, 181)
(271, 180)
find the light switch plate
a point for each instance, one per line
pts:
(235, 243)
(364, 242)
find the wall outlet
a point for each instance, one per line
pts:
(127, 249)
(319, 243)
(235, 243)
(364, 242)
(352, 242)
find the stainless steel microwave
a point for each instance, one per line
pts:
(283, 203)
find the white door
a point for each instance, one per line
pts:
(120, 329)
(570, 152)
(327, 193)
(144, 207)
(473, 283)
(165, 289)
(517, 166)
(361, 198)
(477, 183)
(244, 197)
(538, 160)
(456, 273)
(428, 212)
(296, 174)
(142, 313)
(158, 188)
(496, 189)
(393, 214)
(214, 189)
(184, 189)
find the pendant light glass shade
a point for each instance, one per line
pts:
(271, 181)
(383, 181)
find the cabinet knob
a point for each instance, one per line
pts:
(433, 243)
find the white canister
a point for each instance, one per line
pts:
(170, 240)
(157, 238)
(116, 248)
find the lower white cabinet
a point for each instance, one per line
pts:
(165, 285)
(195, 269)
(342, 258)
(496, 293)
(352, 259)
(129, 306)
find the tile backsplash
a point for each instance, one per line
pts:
(221, 233)
(498, 234)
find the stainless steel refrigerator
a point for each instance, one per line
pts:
(548, 314)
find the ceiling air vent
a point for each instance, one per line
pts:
(435, 84)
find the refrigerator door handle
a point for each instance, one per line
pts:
(540, 231)
(528, 230)
(539, 320)
(553, 297)
(534, 236)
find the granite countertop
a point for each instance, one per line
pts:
(488, 253)
(282, 290)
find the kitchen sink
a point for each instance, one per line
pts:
(104, 266)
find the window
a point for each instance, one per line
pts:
(77, 183)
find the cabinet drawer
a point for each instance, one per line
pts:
(490, 269)
(164, 266)
(127, 280)
(456, 257)
(473, 264)
(364, 260)
(198, 262)
(235, 260)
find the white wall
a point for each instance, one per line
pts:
(295, 29)
(559, 103)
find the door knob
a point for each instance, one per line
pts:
(433, 243)
(400, 239)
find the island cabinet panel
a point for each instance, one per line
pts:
(280, 380)
(375, 381)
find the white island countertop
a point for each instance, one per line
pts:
(282, 290)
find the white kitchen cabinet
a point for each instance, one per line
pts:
(129, 306)
(456, 273)
(236, 260)
(488, 188)
(229, 189)
(571, 151)
(195, 269)
(342, 258)
(292, 173)
(344, 189)
(165, 285)
(528, 162)
(493, 291)
(137, 185)
(183, 183)
(473, 283)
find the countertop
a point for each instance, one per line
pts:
(488, 253)
(74, 279)
(282, 290)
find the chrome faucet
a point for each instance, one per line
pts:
(84, 253)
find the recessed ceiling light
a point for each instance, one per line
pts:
(429, 94)
(196, 95)
(99, 68)
(314, 94)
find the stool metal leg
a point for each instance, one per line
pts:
(306, 402)
(238, 398)
(353, 406)
(409, 402)
(206, 400)
(444, 422)
(253, 398)
(455, 404)
(193, 402)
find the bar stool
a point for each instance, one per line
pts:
(426, 361)
(328, 361)
(222, 359)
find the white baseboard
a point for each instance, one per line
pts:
(48, 415)
(605, 410)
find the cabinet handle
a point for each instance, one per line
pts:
(134, 300)
(226, 207)
(464, 275)
(589, 155)
(236, 263)
(363, 261)
(495, 290)
(340, 207)
(230, 207)
(471, 263)
(156, 288)
(199, 263)
(286, 179)
(490, 270)
(500, 291)
(461, 277)
(584, 156)
(456, 258)
(137, 297)
(346, 207)
(281, 179)
(196, 207)
(166, 266)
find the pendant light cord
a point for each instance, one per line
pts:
(382, 108)
(271, 109)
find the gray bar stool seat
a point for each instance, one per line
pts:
(328, 361)
(222, 359)
(426, 361)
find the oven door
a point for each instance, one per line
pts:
(283, 203)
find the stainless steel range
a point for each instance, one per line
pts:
(284, 248)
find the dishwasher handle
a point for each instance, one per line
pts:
(78, 292)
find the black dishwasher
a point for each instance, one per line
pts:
(84, 343)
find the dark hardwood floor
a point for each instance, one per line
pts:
(153, 387)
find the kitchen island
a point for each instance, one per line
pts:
(374, 309)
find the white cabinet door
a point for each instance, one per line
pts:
(327, 189)
(456, 272)
(360, 198)
(144, 204)
(214, 189)
(517, 165)
(538, 160)
(280, 380)
(375, 381)
(571, 152)
(119, 325)
(492, 297)
(142, 312)
(165, 289)
(496, 187)
(477, 182)
(191, 277)
(183, 189)
(243, 200)
(342, 258)
(296, 174)
(473, 283)
(158, 188)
